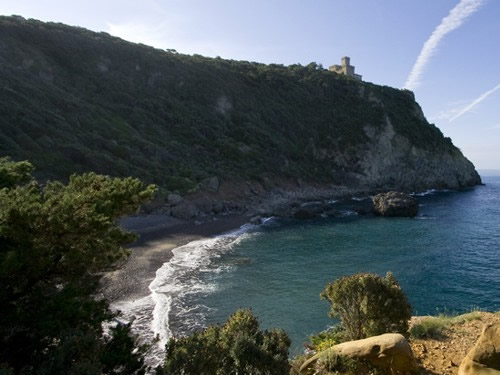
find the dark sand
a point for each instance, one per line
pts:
(159, 235)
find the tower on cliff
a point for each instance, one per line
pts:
(346, 68)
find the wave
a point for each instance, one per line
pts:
(174, 290)
(431, 192)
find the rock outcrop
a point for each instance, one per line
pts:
(484, 357)
(184, 210)
(389, 351)
(395, 204)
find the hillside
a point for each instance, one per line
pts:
(72, 100)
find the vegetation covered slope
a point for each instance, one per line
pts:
(72, 100)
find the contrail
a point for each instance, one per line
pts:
(452, 21)
(475, 102)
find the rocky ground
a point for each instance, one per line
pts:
(443, 356)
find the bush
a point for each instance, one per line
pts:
(237, 347)
(328, 338)
(368, 305)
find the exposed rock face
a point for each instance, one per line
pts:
(391, 160)
(395, 204)
(484, 357)
(389, 351)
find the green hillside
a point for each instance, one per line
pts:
(72, 100)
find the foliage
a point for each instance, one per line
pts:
(237, 347)
(12, 173)
(76, 101)
(54, 242)
(368, 305)
(325, 339)
(435, 327)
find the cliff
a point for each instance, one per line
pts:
(72, 100)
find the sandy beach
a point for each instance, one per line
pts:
(159, 235)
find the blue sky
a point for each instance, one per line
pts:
(457, 77)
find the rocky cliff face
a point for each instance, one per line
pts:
(391, 160)
(73, 101)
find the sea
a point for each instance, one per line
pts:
(447, 260)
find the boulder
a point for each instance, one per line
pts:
(184, 210)
(310, 210)
(174, 199)
(389, 351)
(218, 207)
(484, 357)
(395, 203)
(210, 184)
(256, 220)
(302, 214)
(204, 204)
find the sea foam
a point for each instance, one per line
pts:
(176, 285)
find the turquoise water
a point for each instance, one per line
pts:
(448, 258)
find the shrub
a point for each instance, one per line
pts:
(327, 338)
(368, 305)
(237, 347)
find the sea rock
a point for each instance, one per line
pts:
(484, 357)
(389, 351)
(395, 203)
(174, 199)
(185, 210)
(310, 210)
(256, 220)
(210, 184)
(303, 214)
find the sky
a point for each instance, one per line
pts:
(446, 51)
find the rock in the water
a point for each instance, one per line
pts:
(210, 184)
(303, 214)
(174, 199)
(184, 210)
(484, 357)
(395, 203)
(256, 220)
(389, 351)
(310, 210)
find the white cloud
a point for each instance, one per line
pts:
(452, 21)
(474, 103)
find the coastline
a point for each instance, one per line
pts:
(158, 235)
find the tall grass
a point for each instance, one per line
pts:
(436, 326)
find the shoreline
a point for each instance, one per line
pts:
(158, 235)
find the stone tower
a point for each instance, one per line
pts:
(346, 68)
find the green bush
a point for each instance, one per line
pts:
(327, 338)
(368, 305)
(237, 347)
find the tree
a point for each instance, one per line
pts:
(237, 347)
(368, 305)
(54, 243)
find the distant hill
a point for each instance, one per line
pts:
(72, 100)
